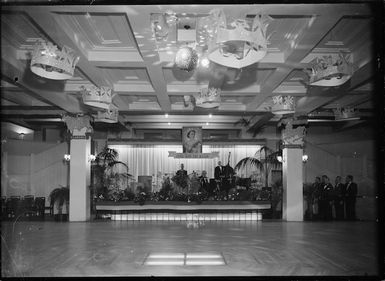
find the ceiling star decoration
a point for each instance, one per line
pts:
(99, 97)
(186, 58)
(283, 105)
(208, 98)
(330, 71)
(237, 43)
(50, 62)
(345, 113)
(108, 116)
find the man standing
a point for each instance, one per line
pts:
(219, 171)
(339, 192)
(350, 198)
(326, 199)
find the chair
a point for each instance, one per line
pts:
(3, 206)
(28, 206)
(13, 207)
(40, 206)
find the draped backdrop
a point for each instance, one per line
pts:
(151, 160)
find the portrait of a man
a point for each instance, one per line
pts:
(192, 139)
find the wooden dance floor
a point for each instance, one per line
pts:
(183, 248)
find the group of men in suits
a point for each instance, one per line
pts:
(221, 174)
(340, 196)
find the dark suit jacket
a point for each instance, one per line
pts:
(181, 172)
(218, 173)
(351, 190)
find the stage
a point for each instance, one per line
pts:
(175, 211)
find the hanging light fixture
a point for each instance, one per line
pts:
(161, 25)
(345, 114)
(236, 44)
(108, 116)
(330, 71)
(50, 62)
(100, 97)
(208, 98)
(283, 105)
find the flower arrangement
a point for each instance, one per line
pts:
(181, 180)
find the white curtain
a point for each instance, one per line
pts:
(149, 160)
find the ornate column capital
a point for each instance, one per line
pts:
(78, 125)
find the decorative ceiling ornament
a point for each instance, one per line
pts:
(237, 45)
(100, 97)
(291, 136)
(283, 105)
(186, 58)
(345, 113)
(108, 116)
(208, 98)
(78, 125)
(329, 71)
(50, 62)
(161, 24)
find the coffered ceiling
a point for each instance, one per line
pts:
(117, 49)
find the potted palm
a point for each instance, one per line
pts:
(104, 173)
(265, 159)
(58, 197)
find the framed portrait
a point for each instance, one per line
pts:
(192, 139)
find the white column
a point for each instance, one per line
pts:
(292, 204)
(80, 170)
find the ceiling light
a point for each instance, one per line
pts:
(329, 71)
(239, 46)
(169, 123)
(283, 105)
(108, 116)
(207, 123)
(166, 115)
(205, 62)
(50, 62)
(100, 97)
(210, 115)
(209, 97)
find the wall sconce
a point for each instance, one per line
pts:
(279, 158)
(21, 136)
(305, 158)
(67, 157)
(91, 158)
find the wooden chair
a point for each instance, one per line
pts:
(28, 205)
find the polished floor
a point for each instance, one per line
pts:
(147, 248)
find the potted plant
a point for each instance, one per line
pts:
(264, 160)
(106, 182)
(58, 197)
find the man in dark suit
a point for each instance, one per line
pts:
(339, 193)
(182, 171)
(326, 199)
(350, 197)
(219, 171)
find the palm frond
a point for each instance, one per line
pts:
(114, 163)
(252, 161)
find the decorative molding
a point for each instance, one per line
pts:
(78, 126)
(293, 137)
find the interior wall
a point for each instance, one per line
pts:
(35, 168)
(340, 153)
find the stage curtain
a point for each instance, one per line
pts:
(150, 160)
